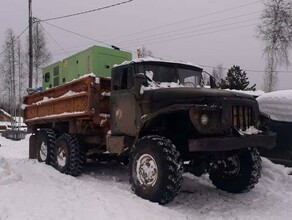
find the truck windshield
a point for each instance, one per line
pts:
(180, 74)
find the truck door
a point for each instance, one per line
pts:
(123, 105)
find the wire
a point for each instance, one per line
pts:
(250, 70)
(55, 40)
(85, 12)
(196, 35)
(199, 30)
(83, 36)
(13, 42)
(177, 30)
(185, 20)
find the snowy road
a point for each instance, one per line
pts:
(30, 190)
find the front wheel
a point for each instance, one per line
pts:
(69, 155)
(155, 169)
(238, 173)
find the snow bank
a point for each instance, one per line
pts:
(7, 176)
(253, 93)
(277, 104)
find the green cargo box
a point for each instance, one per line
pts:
(96, 59)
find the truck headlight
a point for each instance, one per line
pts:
(204, 119)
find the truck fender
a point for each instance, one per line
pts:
(148, 118)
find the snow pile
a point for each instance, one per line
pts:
(256, 93)
(278, 105)
(7, 176)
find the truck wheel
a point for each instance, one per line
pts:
(46, 140)
(69, 155)
(155, 169)
(238, 173)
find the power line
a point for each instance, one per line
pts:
(196, 35)
(55, 40)
(13, 42)
(199, 30)
(77, 34)
(185, 20)
(181, 29)
(89, 11)
(249, 70)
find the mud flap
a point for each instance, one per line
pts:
(33, 151)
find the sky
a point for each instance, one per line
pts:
(206, 33)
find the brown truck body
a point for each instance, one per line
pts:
(80, 106)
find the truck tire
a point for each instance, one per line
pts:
(237, 174)
(69, 155)
(155, 169)
(46, 140)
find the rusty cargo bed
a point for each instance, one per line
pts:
(82, 100)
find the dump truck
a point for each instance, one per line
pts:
(155, 115)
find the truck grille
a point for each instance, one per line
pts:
(241, 117)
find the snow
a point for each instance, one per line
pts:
(253, 93)
(67, 94)
(31, 190)
(5, 113)
(250, 131)
(151, 59)
(278, 105)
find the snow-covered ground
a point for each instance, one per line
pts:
(31, 190)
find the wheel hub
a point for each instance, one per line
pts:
(147, 170)
(43, 151)
(61, 157)
(228, 167)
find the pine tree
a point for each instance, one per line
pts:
(236, 79)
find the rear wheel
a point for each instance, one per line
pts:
(69, 155)
(155, 169)
(46, 140)
(238, 173)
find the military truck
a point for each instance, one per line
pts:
(157, 115)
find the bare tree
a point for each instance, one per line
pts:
(41, 53)
(144, 52)
(217, 73)
(11, 69)
(275, 31)
(8, 69)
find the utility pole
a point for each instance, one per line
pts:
(30, 52)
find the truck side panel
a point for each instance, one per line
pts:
(81, 104)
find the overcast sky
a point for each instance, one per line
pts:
(202, 32)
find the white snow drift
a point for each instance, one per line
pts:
(277, 104)
(103, 192)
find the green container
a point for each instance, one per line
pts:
(97, 60)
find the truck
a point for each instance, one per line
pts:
(155, 116)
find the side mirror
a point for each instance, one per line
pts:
(140, 78)
(212, 82)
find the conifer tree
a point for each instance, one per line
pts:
(236, 79)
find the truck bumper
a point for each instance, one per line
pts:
(267, 141)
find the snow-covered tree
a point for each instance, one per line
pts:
(275, 30)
